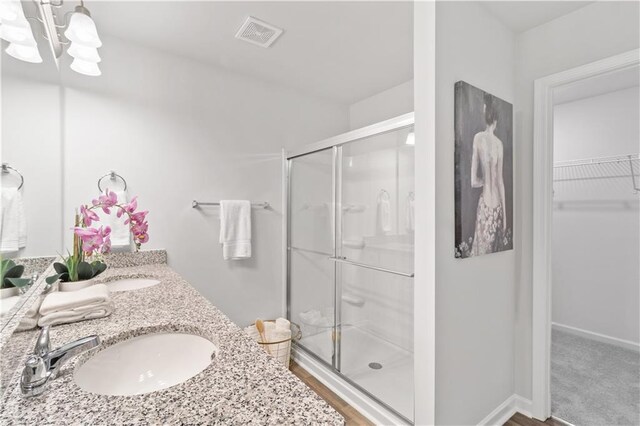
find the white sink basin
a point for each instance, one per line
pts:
(145, 364)
(129, 284)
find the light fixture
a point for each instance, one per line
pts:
(18, 35)
(82, 29)
(24, 53)
(89, 54)
(81, 34)
(85, 67)
(15, 28)
(411, 138)
(10, 11)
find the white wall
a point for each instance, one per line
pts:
(474, 296)
(598, 126)
(31, 135)
(188, 131)
(596, 226)
(597, 31)
(390, 103)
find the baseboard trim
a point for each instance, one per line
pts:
(627, 344)
(503, 412)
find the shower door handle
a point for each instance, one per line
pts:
(375, 268)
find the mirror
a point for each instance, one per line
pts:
(31, 173)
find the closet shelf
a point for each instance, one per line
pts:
(617, 167)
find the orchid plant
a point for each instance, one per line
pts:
(93, 241)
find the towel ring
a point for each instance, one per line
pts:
(112, 175)
(6, 169)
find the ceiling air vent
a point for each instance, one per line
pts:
(258, 32)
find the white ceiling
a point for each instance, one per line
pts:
(343, 51)
(599, 85)
(521, 16)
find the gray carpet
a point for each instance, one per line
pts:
(594, 383)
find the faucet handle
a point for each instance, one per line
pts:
(34, 376)
(43, 345)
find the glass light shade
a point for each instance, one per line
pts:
(411, 139)
(82, 30)
(18, 35)
(10, 11)
(86, 68)
(88, 54)
(24, 53)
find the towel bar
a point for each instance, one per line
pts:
(196, 204)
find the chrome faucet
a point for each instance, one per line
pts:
(45, 364)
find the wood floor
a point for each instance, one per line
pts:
(522, 420)
(354, 418)
(351, 416)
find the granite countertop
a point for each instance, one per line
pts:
(243, 384)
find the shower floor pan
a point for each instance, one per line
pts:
(381, 368)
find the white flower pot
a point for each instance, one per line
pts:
(75, 285)
(9, 292)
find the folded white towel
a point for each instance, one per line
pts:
(31, 317)
(283, 324)
(7, 304)
(277, 335)
(120, 234)
(27, 323)
(315, 318)
(235, 229)
(13, 223)
(356, 243)
(88, 312)
(93, 296)
(269, 326)
(383, 217)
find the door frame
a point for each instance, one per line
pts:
(543, 215)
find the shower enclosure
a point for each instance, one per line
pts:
(350, 245)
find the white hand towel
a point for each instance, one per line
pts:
(13, 224)
(235, 229)
(89, 312)
(383, 219)
(93, 296)
(410, 213)
(120, 234)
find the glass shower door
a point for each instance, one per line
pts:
(310, 245)
(374, 259)
(350, 261)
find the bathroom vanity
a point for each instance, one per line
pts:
(241, 385)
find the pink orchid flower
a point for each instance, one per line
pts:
(136, 218)
(142, 238)
(106, 201)
(88, 216)
(140, 228)
(94, 239)
(128, 208)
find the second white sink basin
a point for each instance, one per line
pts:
(128, 284)
(146, 363)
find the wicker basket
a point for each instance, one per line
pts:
(281, 350)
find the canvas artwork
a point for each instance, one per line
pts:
(483, 172)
